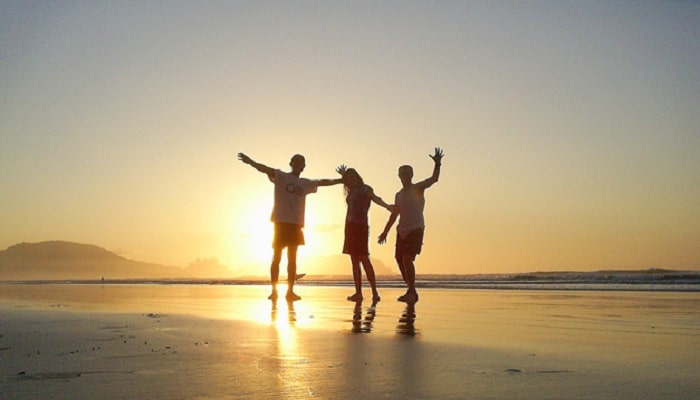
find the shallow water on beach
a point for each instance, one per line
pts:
(448, 315)
(229, 341)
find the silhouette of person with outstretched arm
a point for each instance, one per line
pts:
(358, 197)
(288, 215)
(408, 208)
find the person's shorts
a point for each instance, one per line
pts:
(356, 239)
(287, 235)
(410, 246)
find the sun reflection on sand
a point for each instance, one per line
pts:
(293, 371)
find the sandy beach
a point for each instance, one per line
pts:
(73, 341)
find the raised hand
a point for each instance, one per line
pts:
(341, 169)
(437, 157)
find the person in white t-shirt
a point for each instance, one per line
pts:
(408, 207)
(288, 215)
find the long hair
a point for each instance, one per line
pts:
(351, 176)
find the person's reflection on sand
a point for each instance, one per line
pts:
(291, 313)
(273, 312)
(407, 321)
(357, 318)
(363, 325)
(370, 314)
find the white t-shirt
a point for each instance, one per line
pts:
(411, 202)
(290, 197)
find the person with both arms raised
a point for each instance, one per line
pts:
(408, 208)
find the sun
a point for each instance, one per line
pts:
(253, 231)
(250, 232)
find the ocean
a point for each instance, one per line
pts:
(653, 280)
(647, 280)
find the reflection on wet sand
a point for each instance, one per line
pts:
(291, 314)
(360, 325)
(407, 321)
(294, 375)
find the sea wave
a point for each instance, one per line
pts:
(647, 280)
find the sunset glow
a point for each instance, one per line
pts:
(253, 226)
(570, 130)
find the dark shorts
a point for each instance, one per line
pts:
(409, 246)
(287, 235)
(356, 239)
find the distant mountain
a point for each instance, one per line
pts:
(59, 260)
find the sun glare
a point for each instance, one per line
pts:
(256, 232)
(325, 216)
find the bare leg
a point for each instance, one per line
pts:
(410, 275)
(291, 272)
(275, 271)
(410, 278)
(371, 277)
(357, 278)
(400, 263)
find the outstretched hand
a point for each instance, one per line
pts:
(437, 157)
(244, 158)
(341, 169)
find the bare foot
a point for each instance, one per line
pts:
(355, 297)
(291, 296)
(409, 297)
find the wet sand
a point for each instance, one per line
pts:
(229, 342)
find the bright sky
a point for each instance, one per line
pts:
(571, 129)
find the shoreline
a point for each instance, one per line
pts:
(681, 286)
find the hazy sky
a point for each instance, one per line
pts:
(571, 129)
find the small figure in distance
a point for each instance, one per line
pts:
(359, 197)
(408, 207)
(288, 215)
